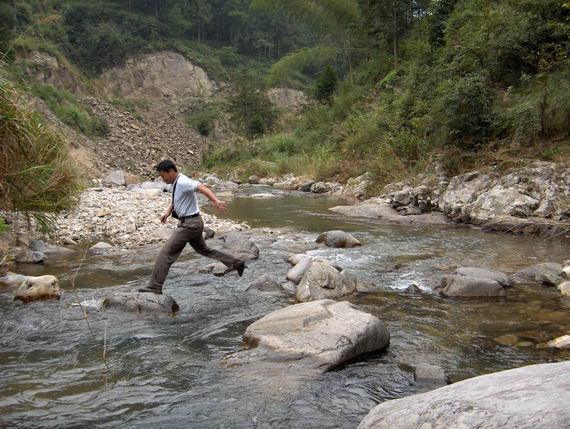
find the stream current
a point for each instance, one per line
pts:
(165, 372)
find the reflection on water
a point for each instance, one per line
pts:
(166, 372)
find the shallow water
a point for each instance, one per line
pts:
(166, 372)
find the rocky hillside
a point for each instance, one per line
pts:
(162, 87)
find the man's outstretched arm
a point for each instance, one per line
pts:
(210, 195)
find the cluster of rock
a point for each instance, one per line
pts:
(528, 199)
(466, 282)
(137, 145)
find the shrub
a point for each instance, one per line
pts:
(36, 174)
(464, 108)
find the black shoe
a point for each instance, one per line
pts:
(239, 266)
(151, 290)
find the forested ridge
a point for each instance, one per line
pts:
(392, 85)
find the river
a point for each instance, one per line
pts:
(165, 372)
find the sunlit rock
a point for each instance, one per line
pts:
(531, 397)
(324, 281)
(338, 239)
(115, 178)
(564, 288)
(321, 335)
(38, 288)
(562, 342)
(142, 303)
(296, 273)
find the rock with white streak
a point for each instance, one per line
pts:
(321, 335)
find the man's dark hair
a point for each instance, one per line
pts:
(166, 166)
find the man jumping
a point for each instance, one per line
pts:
(184, 207)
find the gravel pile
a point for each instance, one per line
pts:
(126, 218)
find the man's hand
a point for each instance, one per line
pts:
(220, 205)
(164, 217)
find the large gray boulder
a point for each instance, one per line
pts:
(321, 335)
(115, 178)
(338, 239)
(324, 281)
(531, 397)
(464, 286)
(483, 273)
(239, 246)
(549, 273)
(142, 303)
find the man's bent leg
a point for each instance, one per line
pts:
(200, 246)
(168, 254)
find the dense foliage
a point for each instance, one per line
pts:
(35, 173)
(100, 34)
(467, 82)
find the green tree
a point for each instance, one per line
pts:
(251, 110)
(339, 22)
(326, 85)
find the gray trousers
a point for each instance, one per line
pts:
(188, 231)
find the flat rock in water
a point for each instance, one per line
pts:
(38, 288)
(338, 239)
(483, 273)
(28, 256)
(547, 273)
(12, 280)
(143, 303)
(531, 397)
(463, 286)
(321, 335)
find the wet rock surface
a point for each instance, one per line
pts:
(513, 398)
(142, 303)
(324, 281)
(338, 239)
(320, 335)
